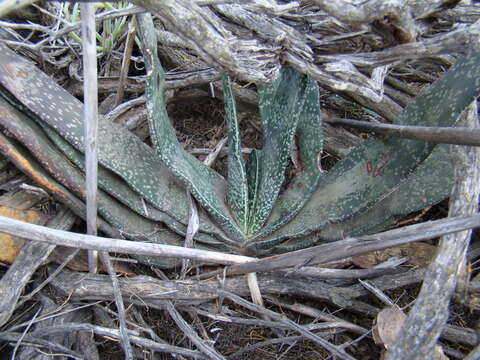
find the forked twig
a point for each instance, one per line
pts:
(49, 278)
(293, 325)
(19, 341)
(191, 334)
(127, 348)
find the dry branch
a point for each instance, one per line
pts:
(32, 255)
(147, 291)
(273, 324)
(422, 328)
(38, 342)
(438, 135)
(325, 273)
(456, 41)
(90, 123)
(355, 246)
(249, 59)
(127, 347)
(64, 238)
(103, 331)
(210, 352)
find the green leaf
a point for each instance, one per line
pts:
(130, 225)
(208, 187)
(252, 169)
(107, 181)
(119, 150)
(309, 136)
(53, 160)
(116, 187)
(430, 183)
(372, 170)
(237, 187)
(280, 107)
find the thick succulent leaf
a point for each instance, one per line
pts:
(208, 187)
(252, 169)
(280, 107)
(237, 187)
(27, 164)
(309, 130)
(133, 224)
(137, 163)
(372, 170)
(430, 183)
(107, 180)
(309, 136)
(119, 150)
(53, 160)
(114, 186)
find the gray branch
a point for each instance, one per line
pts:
(31, 256)
(40, 233)
(423, 326)
(104, 331)
(455, 41)
(439, 135)
(355, 246)
(90, 123)
(191, 334)
(245, 58)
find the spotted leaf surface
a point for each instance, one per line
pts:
(208, 187)
(54, 162)
(252, 170)
(429, 183)
(237, 187)
(280, 108)
(116, 187)
(119, 150)
(137, 164)
(309, 136)
(372, 170)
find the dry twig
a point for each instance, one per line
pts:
(32, 255)
(438, 135)
(423, 326)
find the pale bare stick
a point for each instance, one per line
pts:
(90, 89)
(40, 233)
(438, 135)
(423, 327)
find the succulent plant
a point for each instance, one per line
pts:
(250, 212)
